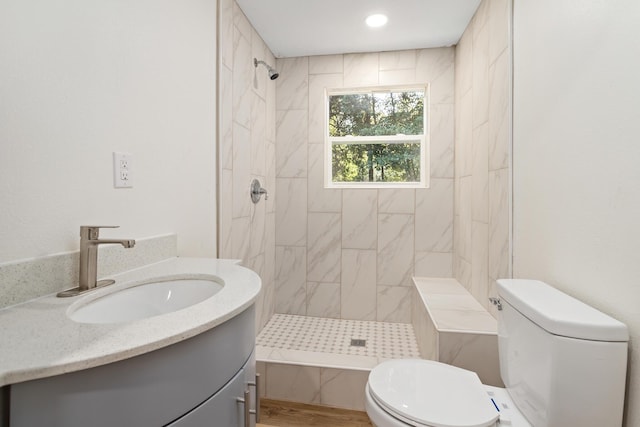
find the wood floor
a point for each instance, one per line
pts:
(275, 413)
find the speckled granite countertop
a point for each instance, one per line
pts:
(38, 340)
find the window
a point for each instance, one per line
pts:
(376, 138)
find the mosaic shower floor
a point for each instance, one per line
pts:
(326, 342)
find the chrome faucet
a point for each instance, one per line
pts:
(89, 241)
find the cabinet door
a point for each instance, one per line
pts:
(221, 410)
(252, 384)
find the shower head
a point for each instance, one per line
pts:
(273, 74)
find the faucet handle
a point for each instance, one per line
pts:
(91, 232)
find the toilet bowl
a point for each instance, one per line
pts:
(414, 392)
(553, 349)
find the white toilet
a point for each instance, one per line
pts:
(563, 363)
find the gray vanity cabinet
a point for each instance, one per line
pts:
(221, 409)
(195, 382)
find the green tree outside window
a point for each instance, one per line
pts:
(377, 136)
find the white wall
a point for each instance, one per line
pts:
(577, 156)
(81, 79)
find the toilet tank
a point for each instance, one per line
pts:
(563, 362)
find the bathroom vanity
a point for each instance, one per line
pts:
(190, 367)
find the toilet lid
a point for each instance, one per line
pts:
(424, 392)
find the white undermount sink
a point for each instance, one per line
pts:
(144, 300)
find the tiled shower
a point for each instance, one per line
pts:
(350, 254)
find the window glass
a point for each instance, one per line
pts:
(377, 137)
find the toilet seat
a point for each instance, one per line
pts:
(428, 393)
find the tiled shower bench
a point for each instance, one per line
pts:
(452, 327)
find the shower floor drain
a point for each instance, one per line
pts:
(355, 342)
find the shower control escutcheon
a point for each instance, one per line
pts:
(257, 191)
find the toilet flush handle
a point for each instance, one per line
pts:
(496, 301)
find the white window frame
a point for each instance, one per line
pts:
(386, 139)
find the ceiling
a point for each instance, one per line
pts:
(319, 27)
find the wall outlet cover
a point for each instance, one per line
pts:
(122, 170)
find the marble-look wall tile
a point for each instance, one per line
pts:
(323, 299)
(291, 293)
(241, 22)
(240, 238)
(436, 67)
(318, 85)
(326, 64)
(480, 262)
(456, 234)
(343, 388)
(498, 28)
(358, 285)
(475, 352)
(267, 307)
(481, 149)
(465, 217)
(292, 382)
(480, 59)
(247, 117)
(480, 20)
(441, 140)
(394, 304)
(226, 118)
(271, 109)
(241, 171)
(291, 143)
(398, 60)
(480, 176)
(426, 334)
(359, 218)
(270, 180)
(256, 264)
(268, 278)
(242, 77)
(225, 220)
(323, 247)
(464, 137)
(498, 113)
(258, 137)
(361, 211)
(258, 226)
(499, 224)
(270, 247)
(291, 212)
(433, 264)
(396, 200)
(321, 199)
(361, 69)
(463, 66)
(260, 78)
(396, 236)
(463, 272)
(292, 85)
(226, 32)
(434, 217)
(397, 77)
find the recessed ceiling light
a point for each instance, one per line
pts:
(376, 20)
